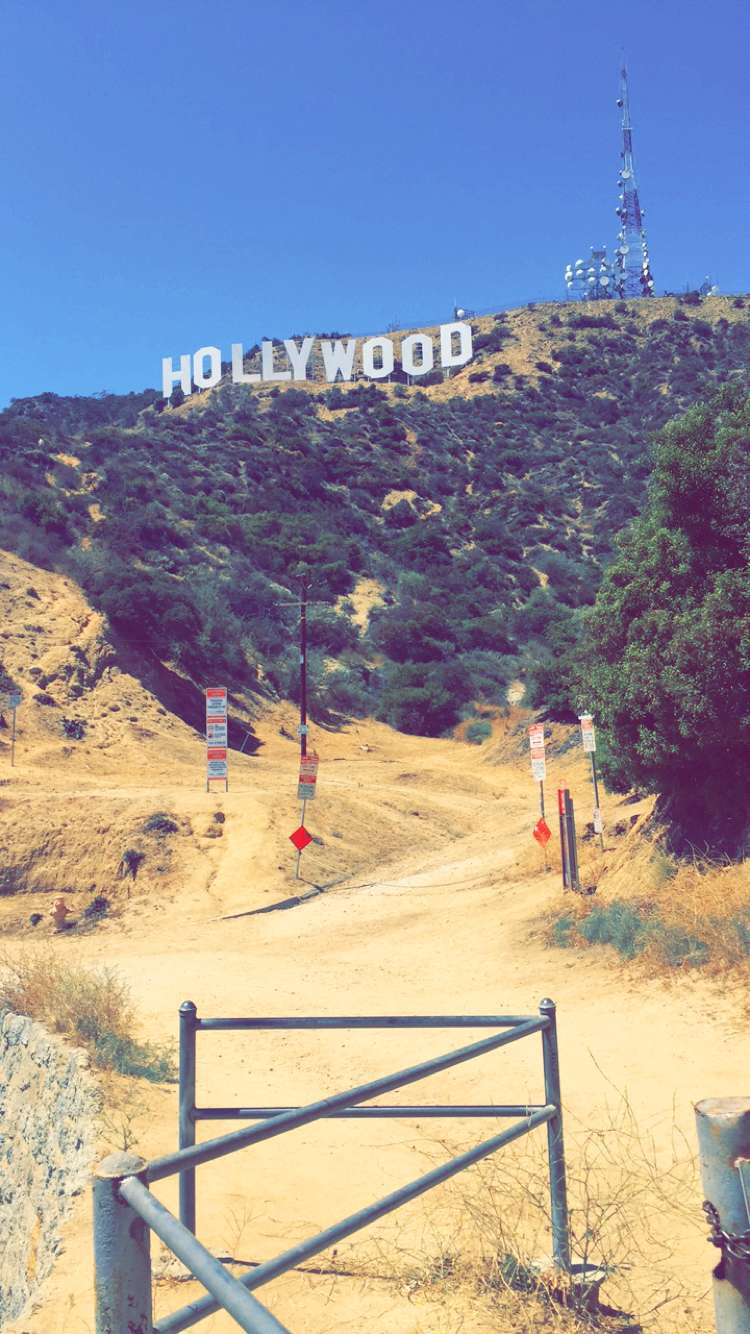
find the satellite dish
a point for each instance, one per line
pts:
(626, 174)
(604, 281)
(460, 313)
(591, 281)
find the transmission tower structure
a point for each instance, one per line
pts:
(632, 263)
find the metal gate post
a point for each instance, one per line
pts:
(723, 1126)
(188, 1028)
(122, 1255)
(555, 1147)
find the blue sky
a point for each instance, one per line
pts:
(179, 174)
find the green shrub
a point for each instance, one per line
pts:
(160, 823)
(678, 947)
(617, 923)
(562, 929)
(479, 731)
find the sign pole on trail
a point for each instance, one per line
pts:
(588, 736)
(308, 760)
(217, 765)
(302, 704)
(541, 831)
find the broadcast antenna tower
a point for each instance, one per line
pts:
(632, 263)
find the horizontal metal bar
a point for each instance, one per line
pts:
(374, 1021)
(476, 1109)
(314, 1111)
(254, 1278)
(227, 1293)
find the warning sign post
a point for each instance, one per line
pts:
(217, 761)
(308, 776)
(541, 830)
(588, 737)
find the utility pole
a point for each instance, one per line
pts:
(303, 668)
(302, 697)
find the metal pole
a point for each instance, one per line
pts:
(302, 696)
(13, 741)
(299, 850)
(596, 794)
(563, 839)
(541, 812)
(122, 1257)
(555, 1147)
(188, 1017)
(723, 1126)
(570, 827)
(303, 670)
(231, 1296)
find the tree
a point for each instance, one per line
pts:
(668, 640)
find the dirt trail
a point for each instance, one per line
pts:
(434, 931)
(437, 909)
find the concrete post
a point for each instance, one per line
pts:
(723, 1126)
(188, 1027)
(122, 1254)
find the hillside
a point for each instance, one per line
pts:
(451, 528)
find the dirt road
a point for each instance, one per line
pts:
(433, 919)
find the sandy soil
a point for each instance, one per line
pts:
(434, 896)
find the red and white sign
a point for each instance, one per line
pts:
(536, 745)
(217, 764)
(216, 702)
(588, 734)
(308, 776)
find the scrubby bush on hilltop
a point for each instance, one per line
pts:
(669, 637)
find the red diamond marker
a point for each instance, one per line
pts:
(541, 832)
(300, 838)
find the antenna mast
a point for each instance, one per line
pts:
(632, 264)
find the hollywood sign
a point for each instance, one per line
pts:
(377, 358)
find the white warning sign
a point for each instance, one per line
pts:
(536, 747)
(588, 733)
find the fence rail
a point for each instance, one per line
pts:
(125, 1211)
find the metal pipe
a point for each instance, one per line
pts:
(257, 1113)
(570, 825)
(366, 1021)
(188, 1027)
(595, 780)
(122, 1258)
(229, 1295)
(723, 1126)
(190, 1315)
(567, 884)
(555, 1145)
(211, 1149)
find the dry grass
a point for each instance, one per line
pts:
(665, 913)
(91, 1007)
(632, 1206)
